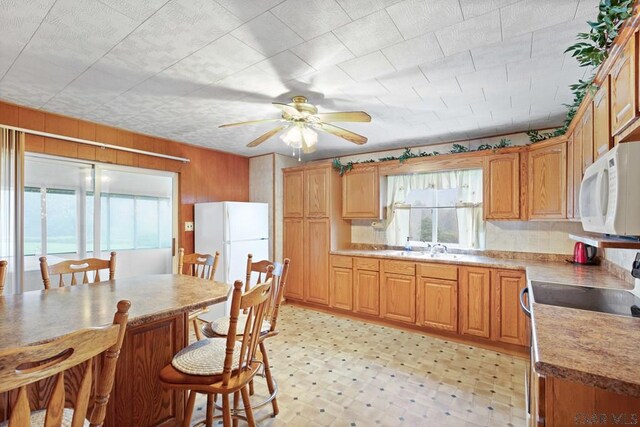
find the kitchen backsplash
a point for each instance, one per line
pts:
(549, 237)
(623, 258)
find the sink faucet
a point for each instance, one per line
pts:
(439, 248)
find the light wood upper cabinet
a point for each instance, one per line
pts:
(570, 173)
(317, 192)
(502, 186)
(587, 138)
(509, 322)
(293, 182)
(316, 260)
(361, 193)
(624, 103)
(398, 299)
(577, 170)
(475, 301)
(602, 138)
(547, 187)
(293, 248)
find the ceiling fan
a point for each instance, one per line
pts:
(301, 121)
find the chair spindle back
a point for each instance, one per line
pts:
(84, 266)
(20, 367)
(203, 266)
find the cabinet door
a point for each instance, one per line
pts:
(361, 193)
(366, 292)
(293, 194)
(316, 260)
(502, 186)
(438, 304)
(316, 192)
(587, 138)
(577, 169)
(509, 323)
(602, 139)
(623, 88)
(475, 297)
(548, 181)
(398, 297)
(570, 187)
(293, 248)
(341, 295)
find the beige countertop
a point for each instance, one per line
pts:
(588, 347)
(40, 316)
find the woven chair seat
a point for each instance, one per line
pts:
(204, 357)
(37, 419)
(220, 326)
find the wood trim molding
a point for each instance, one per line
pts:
(95, 144)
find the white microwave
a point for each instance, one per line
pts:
(610, 192)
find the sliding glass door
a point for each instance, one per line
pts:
(76, 210)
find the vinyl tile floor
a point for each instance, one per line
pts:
(335, 371)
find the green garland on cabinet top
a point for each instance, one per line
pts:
(343, 168)
(591, 53)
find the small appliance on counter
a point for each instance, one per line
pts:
(584, 254)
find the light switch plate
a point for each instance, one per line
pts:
(188, 226)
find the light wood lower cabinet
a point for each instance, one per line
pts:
(366, 291)
(316, 260)
(560, 402)
(438, 304)
(341, 295)
(293, 249)
(398, 297)
(475, 301)
(509, 322)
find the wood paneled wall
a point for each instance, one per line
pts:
(210, 176)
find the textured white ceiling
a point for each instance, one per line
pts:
(427, 71)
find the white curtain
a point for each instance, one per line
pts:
(469, 186)
(11, 196)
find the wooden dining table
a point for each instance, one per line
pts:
(158, 327)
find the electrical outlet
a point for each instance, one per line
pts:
(188, 226)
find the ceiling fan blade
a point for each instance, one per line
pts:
(251, 122)
(343, 133)
(264, 137)
(344, 116)
(289, 110)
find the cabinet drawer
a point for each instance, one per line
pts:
(367, 264)
(399, 267)
(438, 271)
(341, 261)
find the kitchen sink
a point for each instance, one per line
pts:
(612, 301)
(420, 254)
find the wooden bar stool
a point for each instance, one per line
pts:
(20, 367)
(219, 328)
(203, 266)
(3, 275)
(223, 366)
(72, 267)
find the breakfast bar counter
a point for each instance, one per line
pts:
(158, 327)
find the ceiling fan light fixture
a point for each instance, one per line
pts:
(300, 135)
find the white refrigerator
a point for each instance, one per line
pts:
(235, 229)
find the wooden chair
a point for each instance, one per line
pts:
(218, 328)
(73, 267)
(260, 267)
(3, 275)
(203, 266)
(20, 367)
(223, 366)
